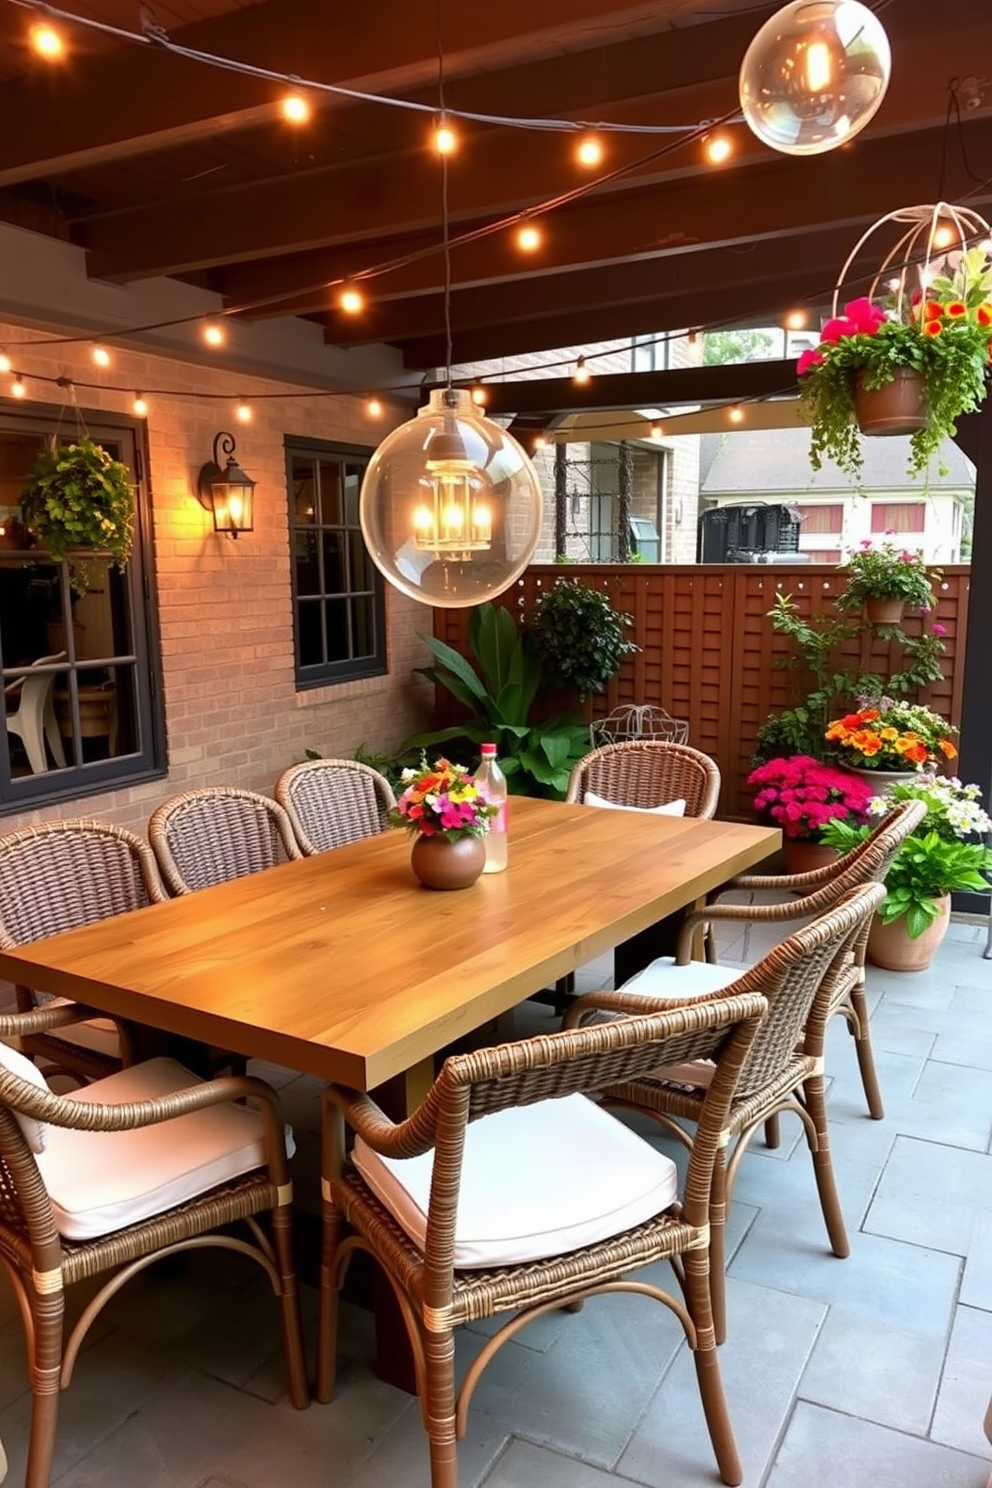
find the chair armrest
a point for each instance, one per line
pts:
(44, 1018)
(45, 1105)
(633, 1003)
(389, 1138)
(799, 883)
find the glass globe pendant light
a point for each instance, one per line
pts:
(451, 505)
(814, 75)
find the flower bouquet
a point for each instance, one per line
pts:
(441, 800)
(891, 735)
(801, 794)
(884, 571)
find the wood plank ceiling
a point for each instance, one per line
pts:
(161, 165)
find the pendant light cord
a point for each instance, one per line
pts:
(444, 201)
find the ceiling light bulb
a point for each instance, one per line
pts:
(943, 236)
(445, 139)
(214, 334)
(736, 414)
(589, 151)
(796, 320)
(295, 110)
(46, 41)
(814, 75)
(243, 412)
(718, 148)
(528, 238)
(140, 406)
(540, 442)
(480, 397)
(101, 356)
(373, 408)
(4, 362)
(656, 431)
(351, 301)
(17, 388)
(581, 373)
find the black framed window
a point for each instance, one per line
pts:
(339, 610)
(81, 689)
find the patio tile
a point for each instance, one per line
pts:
(524, 1465)
(855, 1363)
(976, 1286)
(929, 1195)
(966, 1384)
(824, 1449)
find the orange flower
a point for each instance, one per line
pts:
(932, 328)
(930, 310)
(956, 310)
(866, 742)
(888, 734)
(947, 749)
(984, 314)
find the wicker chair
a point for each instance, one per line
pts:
(532, 1210)
(57, 877)
(87, 1186)
(783, 1071)
(868, 862)
(333, 801)
(648, 773)
(210, 836)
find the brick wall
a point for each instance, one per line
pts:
(232, 712)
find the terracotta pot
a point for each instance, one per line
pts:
(890, 946)
(803, 855)
(900, 407)
(884, 611)
(440, 864)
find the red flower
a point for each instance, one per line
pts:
(809, 358)
(838, 327)
(932, 328)
(956, 310)
(865, 316)
(984, 314)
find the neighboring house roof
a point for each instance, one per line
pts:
(756, 462)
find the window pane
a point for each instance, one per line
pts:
(307, 565)
(334, 572)
(308, 633)
(898, 516)
(352, 490)
(336, 629)
(362, 567)
(304, 492)
(363, 627)
(331, 504)
(821, 518)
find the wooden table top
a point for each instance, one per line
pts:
(342, 966)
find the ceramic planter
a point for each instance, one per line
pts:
(890, 946)
(900, 407)
(440, 864)
(803, 855)
(884, 611)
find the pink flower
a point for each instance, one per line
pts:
(865, 316)
(939, 629)
(808, 359)
(839, 326)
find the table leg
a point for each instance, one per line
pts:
(659, 939)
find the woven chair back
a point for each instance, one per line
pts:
(213, 835)
(648, 773)
(331, 802)
(67, 874)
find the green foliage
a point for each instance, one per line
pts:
(580, 636)
(721, 347)
(884, 571)
(926, 867)
(499, 693)
(78, 497)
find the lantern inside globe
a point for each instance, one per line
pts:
(814, 75)
(451, 505)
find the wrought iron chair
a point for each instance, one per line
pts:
(545, 1203)
(58, 877)
(221, 832)
(88, 1186)
(783, 1070)
(333, 801)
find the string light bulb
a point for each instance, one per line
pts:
(17, 388)
(814, 75)
(445, 138)
(243, 412)
(46, 41)
(528, 238)
(718, 148)
(214, 333)
(736, 414)
(540, 442)
(374, 408)
(589, 151)
(351, 300)
(480, 397)
(140, 406)
(796, 320)
(101, 356)
(943, 236)
(295, 109)
(581, 373)
(656, 431)
(5, 363)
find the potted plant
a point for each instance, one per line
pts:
(948, 851)
(580, 636)
(801, 795)
(883, 580)
(448, 816)
(940, 338)
(78, 496)
(889, 737)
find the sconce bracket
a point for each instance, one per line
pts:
(208, 474)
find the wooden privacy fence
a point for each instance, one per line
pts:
(707, 648)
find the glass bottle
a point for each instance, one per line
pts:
(492, 783)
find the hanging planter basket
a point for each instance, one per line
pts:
(898, 407)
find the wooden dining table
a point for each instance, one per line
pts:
(342, 966)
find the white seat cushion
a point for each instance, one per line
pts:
(667, 808)
(537, 1181)
(35, 1132)
(662, 978)
(99, 1182)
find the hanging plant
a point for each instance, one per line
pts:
(77, 496)
(580, 636)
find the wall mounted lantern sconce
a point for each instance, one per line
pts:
(227, 493)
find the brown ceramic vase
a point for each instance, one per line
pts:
(890, 946)
(440, 864)
(884, 611)
(900, 407)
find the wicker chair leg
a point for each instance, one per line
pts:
(718, 1247)
(294, 1348)
(707, 1364)
(866, 1057)
(773, 1134)
(41, 1444)
(814, 1095)
(327, 1307)
(439, 1382)
(45, 1368)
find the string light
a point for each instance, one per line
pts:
(351, 300)
(17, 388)
(529, 238)
(445, 138)
(736, 414)
(718, 148)
(214, 334)
(540, 442)
(374, 408)
(480, 397)
(295, 109)
(46, 41)
(656, 431)
(243, 412)
(4, 362)
(101, 356)
(589, 151)
(796, 320)
(943, 236)
(140, 406)
(581, 373)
